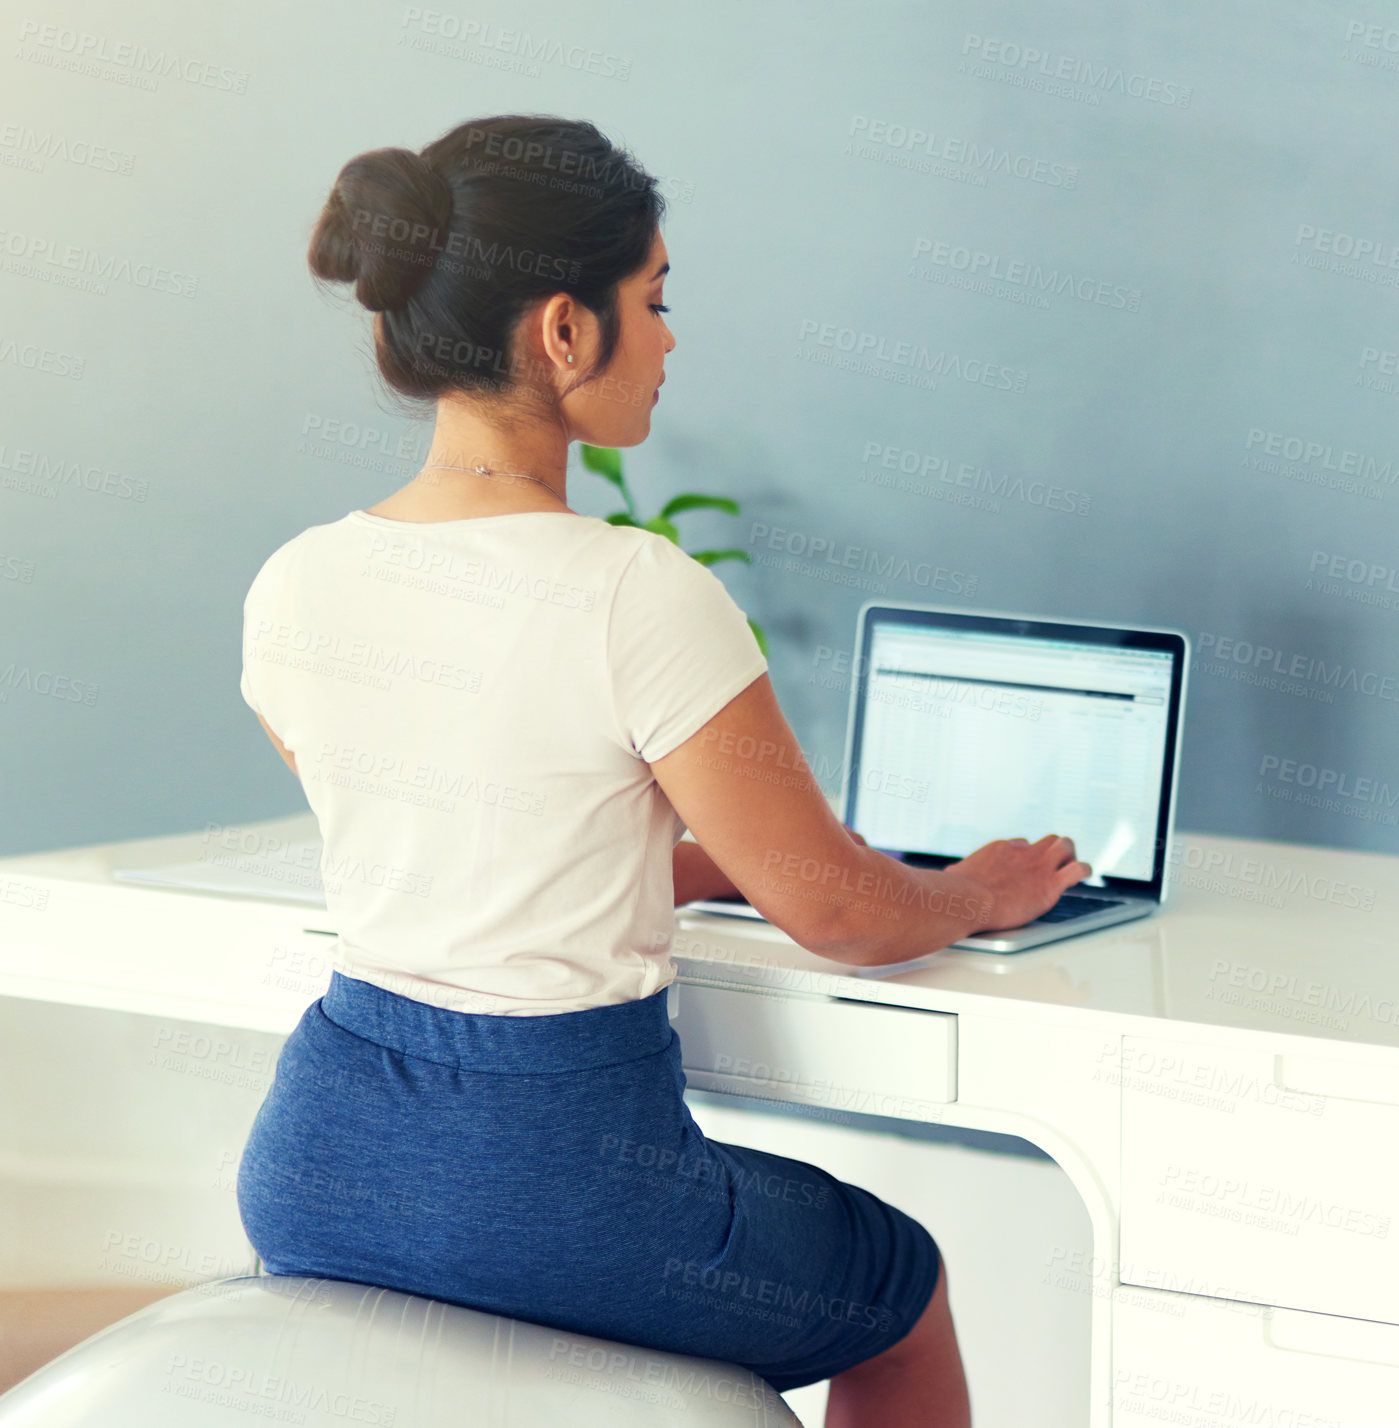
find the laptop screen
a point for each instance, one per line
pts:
(970, 728)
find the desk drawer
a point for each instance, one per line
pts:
(1180, 1358)
(821, 1051)
(1257, 1176)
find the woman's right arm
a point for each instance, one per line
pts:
(744, 789)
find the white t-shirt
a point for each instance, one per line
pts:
(473, 705)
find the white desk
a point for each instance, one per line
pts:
(1219, 1082)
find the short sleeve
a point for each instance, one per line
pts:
(250, 652)
(256, 621)
(678, 648)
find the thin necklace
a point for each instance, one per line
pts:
(486, 471)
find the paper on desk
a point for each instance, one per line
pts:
(288, 870)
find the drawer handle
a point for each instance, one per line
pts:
(1365, 1340)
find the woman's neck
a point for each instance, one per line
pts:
(435, 495)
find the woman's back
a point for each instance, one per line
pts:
(472, 705)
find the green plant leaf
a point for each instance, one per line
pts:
(690, 502)
(605, 461)
(712, 557)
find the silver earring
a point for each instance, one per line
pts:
(570, 356)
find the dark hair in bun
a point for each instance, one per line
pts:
(450, 245)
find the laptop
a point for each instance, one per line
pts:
(968, 726)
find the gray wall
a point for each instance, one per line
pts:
(1167, 396)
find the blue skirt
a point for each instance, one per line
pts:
(547, 1168)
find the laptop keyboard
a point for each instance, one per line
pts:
(1072, 905)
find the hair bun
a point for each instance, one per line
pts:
(385, 224)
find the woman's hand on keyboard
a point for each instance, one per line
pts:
(1021, 879)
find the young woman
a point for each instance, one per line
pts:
(504, 714)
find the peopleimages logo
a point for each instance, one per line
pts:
(1364, 582)
(1370, 259)
(440, 26)
(124, 61)
(1248, 658)
(1346, 245)
(41, 359)
(1018, 272)
(44, 472)
(1328, 781)
(1104, 79)
(1379, 368)
(22, 146)
(923, 473)
(423, 236)
(1374, 37)
(72, 265)
(863, 351)
(1255, 878)
(978, 159)
(1319, 463)
(1371, 45)
(1358, 572)
(827, 551)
